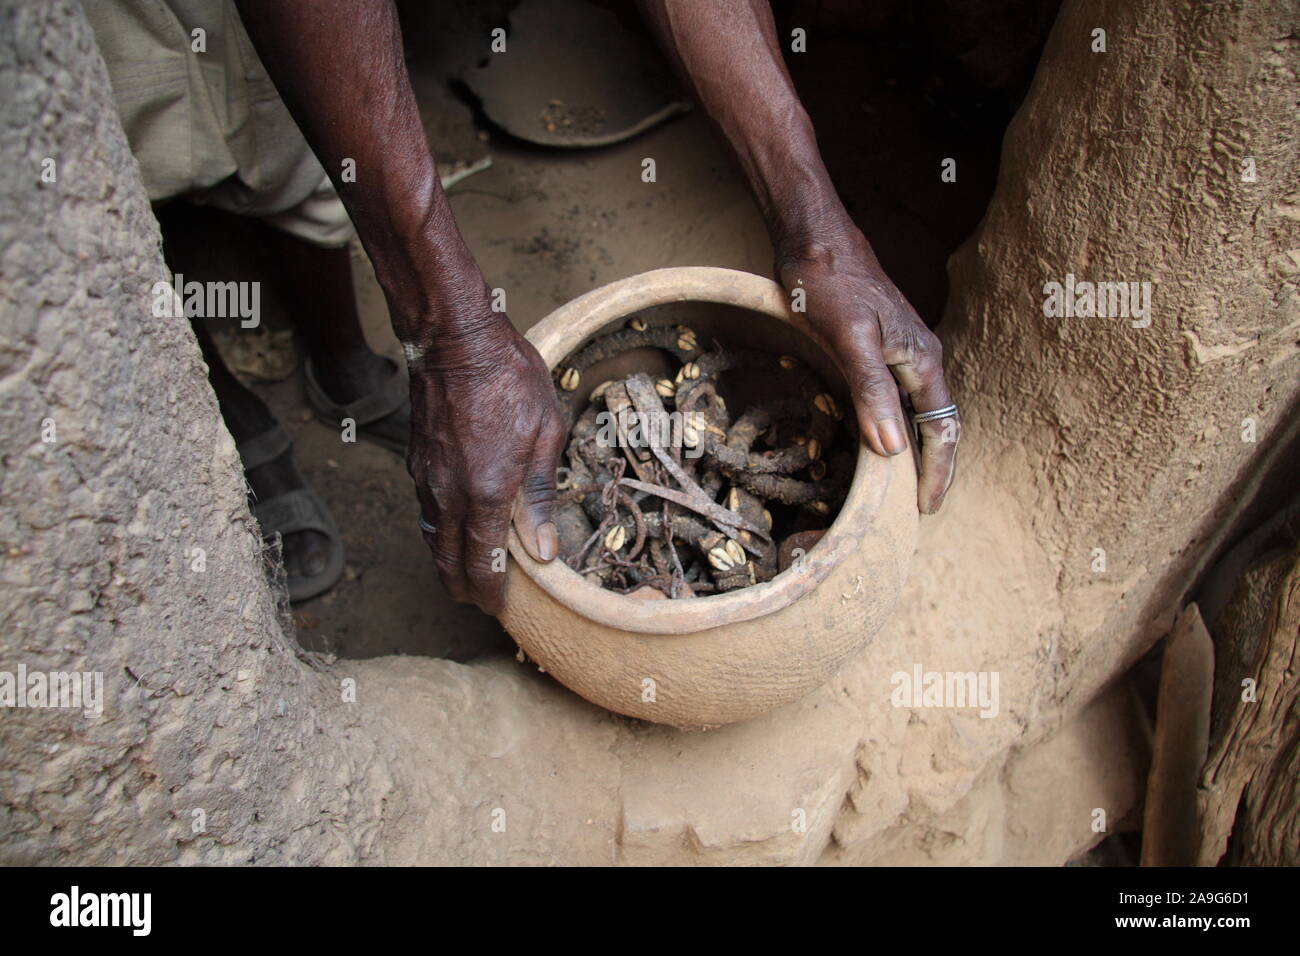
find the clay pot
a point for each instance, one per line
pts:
(714, 660)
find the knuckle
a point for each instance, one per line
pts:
(539, 488)
(491, 496)
(485, 531)
(446, 557)
(862, 336)
(876, 385)
(913, 342)
(478, 568)
(930, 347)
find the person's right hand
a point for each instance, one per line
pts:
(486, 437)
(880, 344)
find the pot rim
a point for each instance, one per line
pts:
(557, 335)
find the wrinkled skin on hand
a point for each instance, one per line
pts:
(881, 345)
(486, 436)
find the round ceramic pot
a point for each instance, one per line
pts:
(707, 661)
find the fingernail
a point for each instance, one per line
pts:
(891, 436)
(548, 541)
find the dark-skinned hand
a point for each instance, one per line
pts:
(881, 345)
(486, 437)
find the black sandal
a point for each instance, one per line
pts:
(293, 511)
(366, 410)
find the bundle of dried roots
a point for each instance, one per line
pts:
(665, 493)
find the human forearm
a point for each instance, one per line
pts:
(486, 430)
(727, 51)
(339, 67)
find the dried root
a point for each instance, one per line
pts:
(666, 493)
(679, 341)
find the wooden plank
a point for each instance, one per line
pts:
(1170, 832)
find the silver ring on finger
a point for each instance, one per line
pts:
(948, 411)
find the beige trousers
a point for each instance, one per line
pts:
(205, 121)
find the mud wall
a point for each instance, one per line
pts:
(204, 697)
